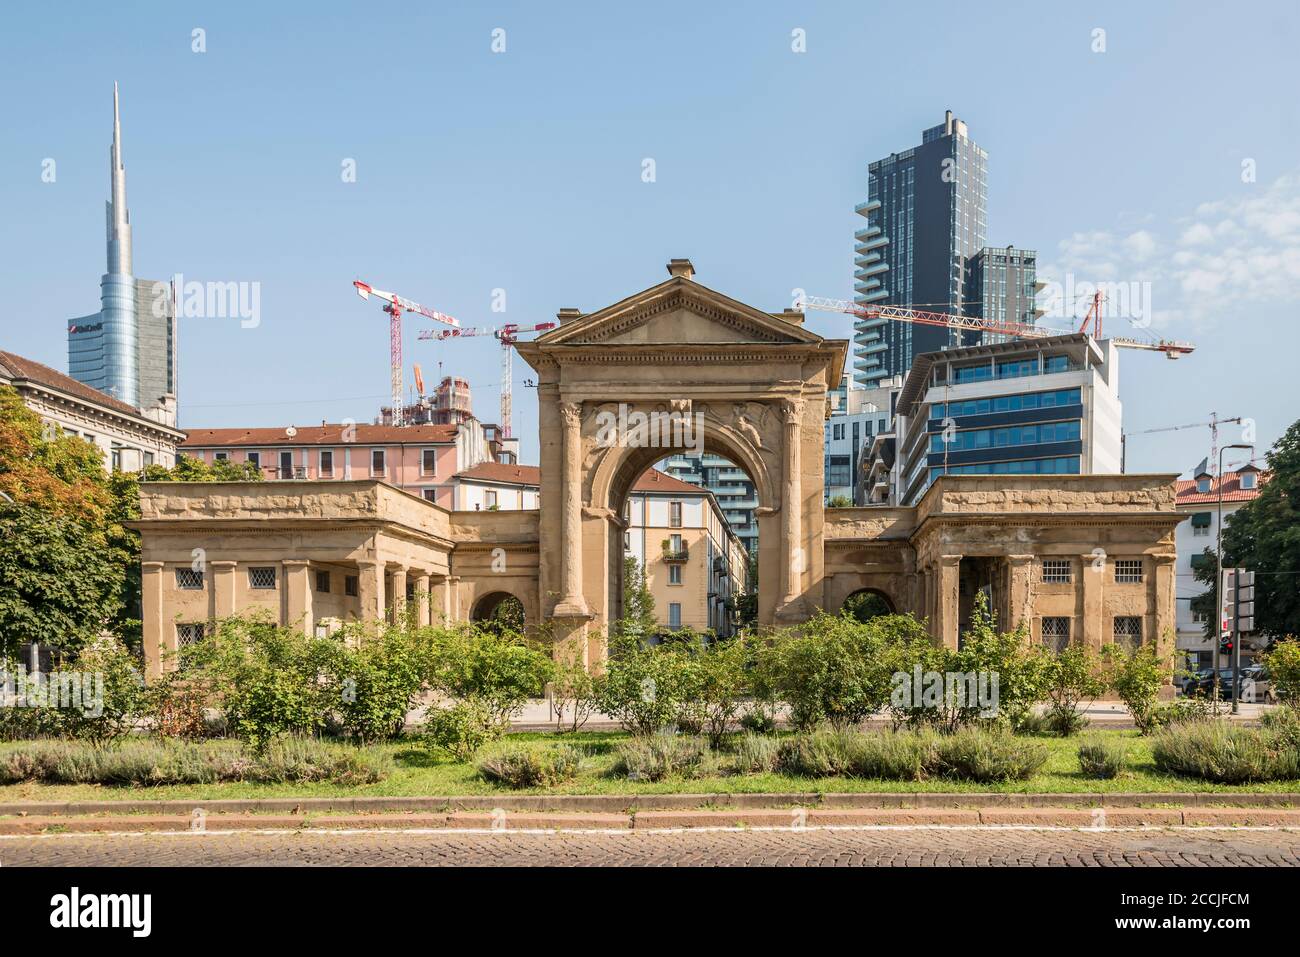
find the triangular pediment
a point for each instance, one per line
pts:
(677, 312)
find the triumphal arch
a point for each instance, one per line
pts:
(678, 367)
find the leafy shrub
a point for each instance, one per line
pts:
(755, 754)
(1073, 678)
(494, 669)
(177, 703)
(1283, 665)
(575, 694)
(988, 756)
(517, 766)
(1283, 724)
(898, 756)
(1175, 712)
(757, 720)
(1102, 758)
(1225, 753)
(378, 679)
(646, 686)
(1136, 677)
(460, 730)
(291, 760)
(112, 693)
(658, 756)
(1062, 722)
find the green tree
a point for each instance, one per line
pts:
(638, 621)
(61, 566)
(1264, 536)
(840, 501)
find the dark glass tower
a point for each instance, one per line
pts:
(926, 213)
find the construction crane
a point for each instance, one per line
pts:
(395, 305)
(1172, 348)
(507, 335)
(1213, 425)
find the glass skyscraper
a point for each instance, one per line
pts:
(926, 213)
(128, 348)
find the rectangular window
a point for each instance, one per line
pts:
(674, 614)
(350, 586)
(189, 579)
(261, 578)
(219, 456)
(286, 465)
(674, 574)
(674, 514)
(148, 459)
(1200, 530)
(377, 462)
(430, 494)
(187, 633)
(1056, 633)
(326, 469)
(255, 459)
(1128, 631)
(429, 462)
(675, 543)
(1056, 571)
(323, 582)
(490, 498)
(1128, 571)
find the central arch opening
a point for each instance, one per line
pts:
(688, 554)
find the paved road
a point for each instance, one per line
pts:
(838, 847)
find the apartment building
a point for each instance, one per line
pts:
(129, 438)
(1023, 407)
(857, 417)
(420, 459)
(496, 486)
(1199, 497)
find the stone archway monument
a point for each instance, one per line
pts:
(677, 367)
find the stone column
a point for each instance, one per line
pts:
(151, 619)
(1165, 625)
(370, 589)
(1091, 583)
(423, 613)
(451, 598)
(223, 588)
(791, 503)
(948, 599)
(1019, 597)
(399, 594)
(298, 595)
(572, 604)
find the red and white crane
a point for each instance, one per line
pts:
(507, 335)
(1172, 348)
(395, 305)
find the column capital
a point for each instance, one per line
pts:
(571, 412)
(152, 566)
(792, 409)
(1020, 559)
(294, 562)
(368, 563)
(950, 561)
(222, 564)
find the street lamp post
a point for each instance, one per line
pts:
(1218, 589)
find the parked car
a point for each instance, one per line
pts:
(1201, 684)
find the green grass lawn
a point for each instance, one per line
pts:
(422, 774)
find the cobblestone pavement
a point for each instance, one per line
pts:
(837, 847)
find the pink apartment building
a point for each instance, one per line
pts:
(420, 459)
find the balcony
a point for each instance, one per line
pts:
(294, 472)
(680, 554)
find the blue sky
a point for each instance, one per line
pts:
(521, 171)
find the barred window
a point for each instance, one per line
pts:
(189, 579)
(1056, 633)
(1128, 631)
(187, 633)
(350, 586)
(1056, 571)
(261, 578)
(1128, 571)
(323, 582)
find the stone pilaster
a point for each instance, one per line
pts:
(298, 595)
(794, 560)
(223, 588)
(1092, 575)
(151, 614)
(422, 599)
(948, 600)
(370, 589)
(1020, 576)
(398, 603)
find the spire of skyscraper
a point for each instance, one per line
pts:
(119, 217)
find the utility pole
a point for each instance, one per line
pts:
(1218, 576)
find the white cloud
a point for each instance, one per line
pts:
(1228, 254)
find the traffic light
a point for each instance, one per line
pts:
(1239, 599)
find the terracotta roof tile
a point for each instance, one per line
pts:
(1185, 492)
(328, 434)
(16, 367)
